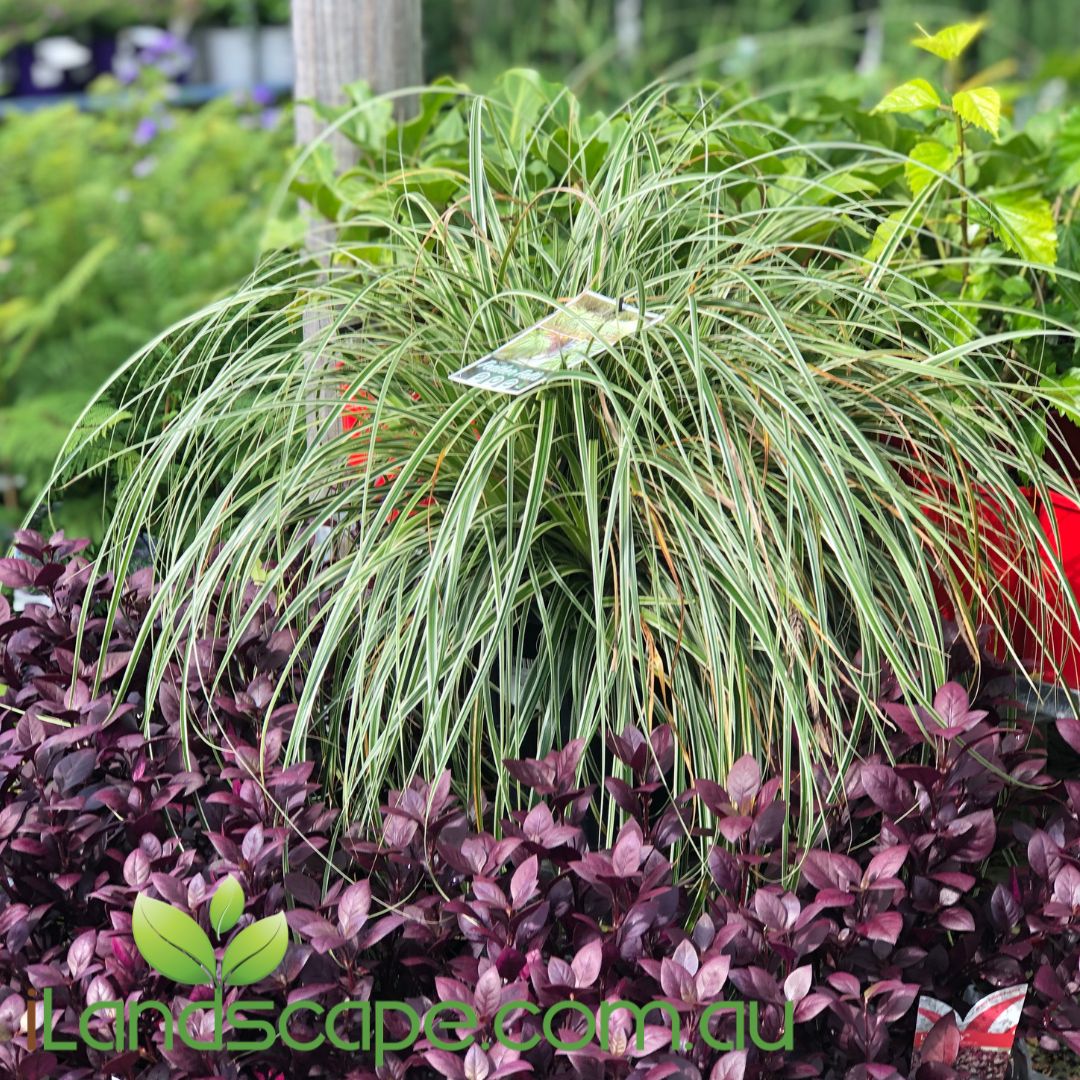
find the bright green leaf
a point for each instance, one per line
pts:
(1024, 222)
(1064, 391)
(847, 183)
(172, 942)
(227, 903)
(371, 117)
(283, 233)
(926, 160)
(952, 41)
(981, 107)
(909, 97)
(255, 951)
(411, 134)
(1065, 153)
(885, 234)
(525, 99)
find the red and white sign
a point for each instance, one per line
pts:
(987, 1032)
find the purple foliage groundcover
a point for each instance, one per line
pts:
(956, 867)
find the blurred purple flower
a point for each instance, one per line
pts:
(144, 167)
(145, 47)
(126, 70)
(165, 44)
(145, 131)
(262, 95)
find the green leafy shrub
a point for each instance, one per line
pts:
(702, 526)
(114, 224)
(774, 41)
(1018, 231)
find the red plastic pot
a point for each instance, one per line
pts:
(1029, 600)
(1053, 643)
(1000, 590)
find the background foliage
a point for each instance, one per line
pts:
(780, 40)
(114, 224)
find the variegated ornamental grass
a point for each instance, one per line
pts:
(710, 524)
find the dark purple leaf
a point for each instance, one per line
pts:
(75, 769)
(711, 977)
(768, 824)
(1044, 855)
(797, 984)
(830, 870)
(732, 1066)
(957, 919)
(587, 962)
(976, 831)
(1005, 912)
(523, 883)
(743, 781)
(488, 995)
(626, 855)
(951, 703)
(886, 864)
(18, 573)
(755, 983)
(885, 926)
(353, 908)
(734, 829)
(942, 1041)
(889, 791)
(1069, 730)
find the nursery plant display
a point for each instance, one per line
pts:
(22, 22)
(1026, 183)
(952, 868)
(608, 588)
(701, 526)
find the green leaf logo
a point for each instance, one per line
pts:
(226, 906)
(255, 951)
(172, 943)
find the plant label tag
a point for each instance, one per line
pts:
(582, 328)
(502, 376)
(987, 1034)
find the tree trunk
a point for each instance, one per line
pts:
(337, 42)
(628, 28)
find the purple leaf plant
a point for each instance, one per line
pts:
(952, 866)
